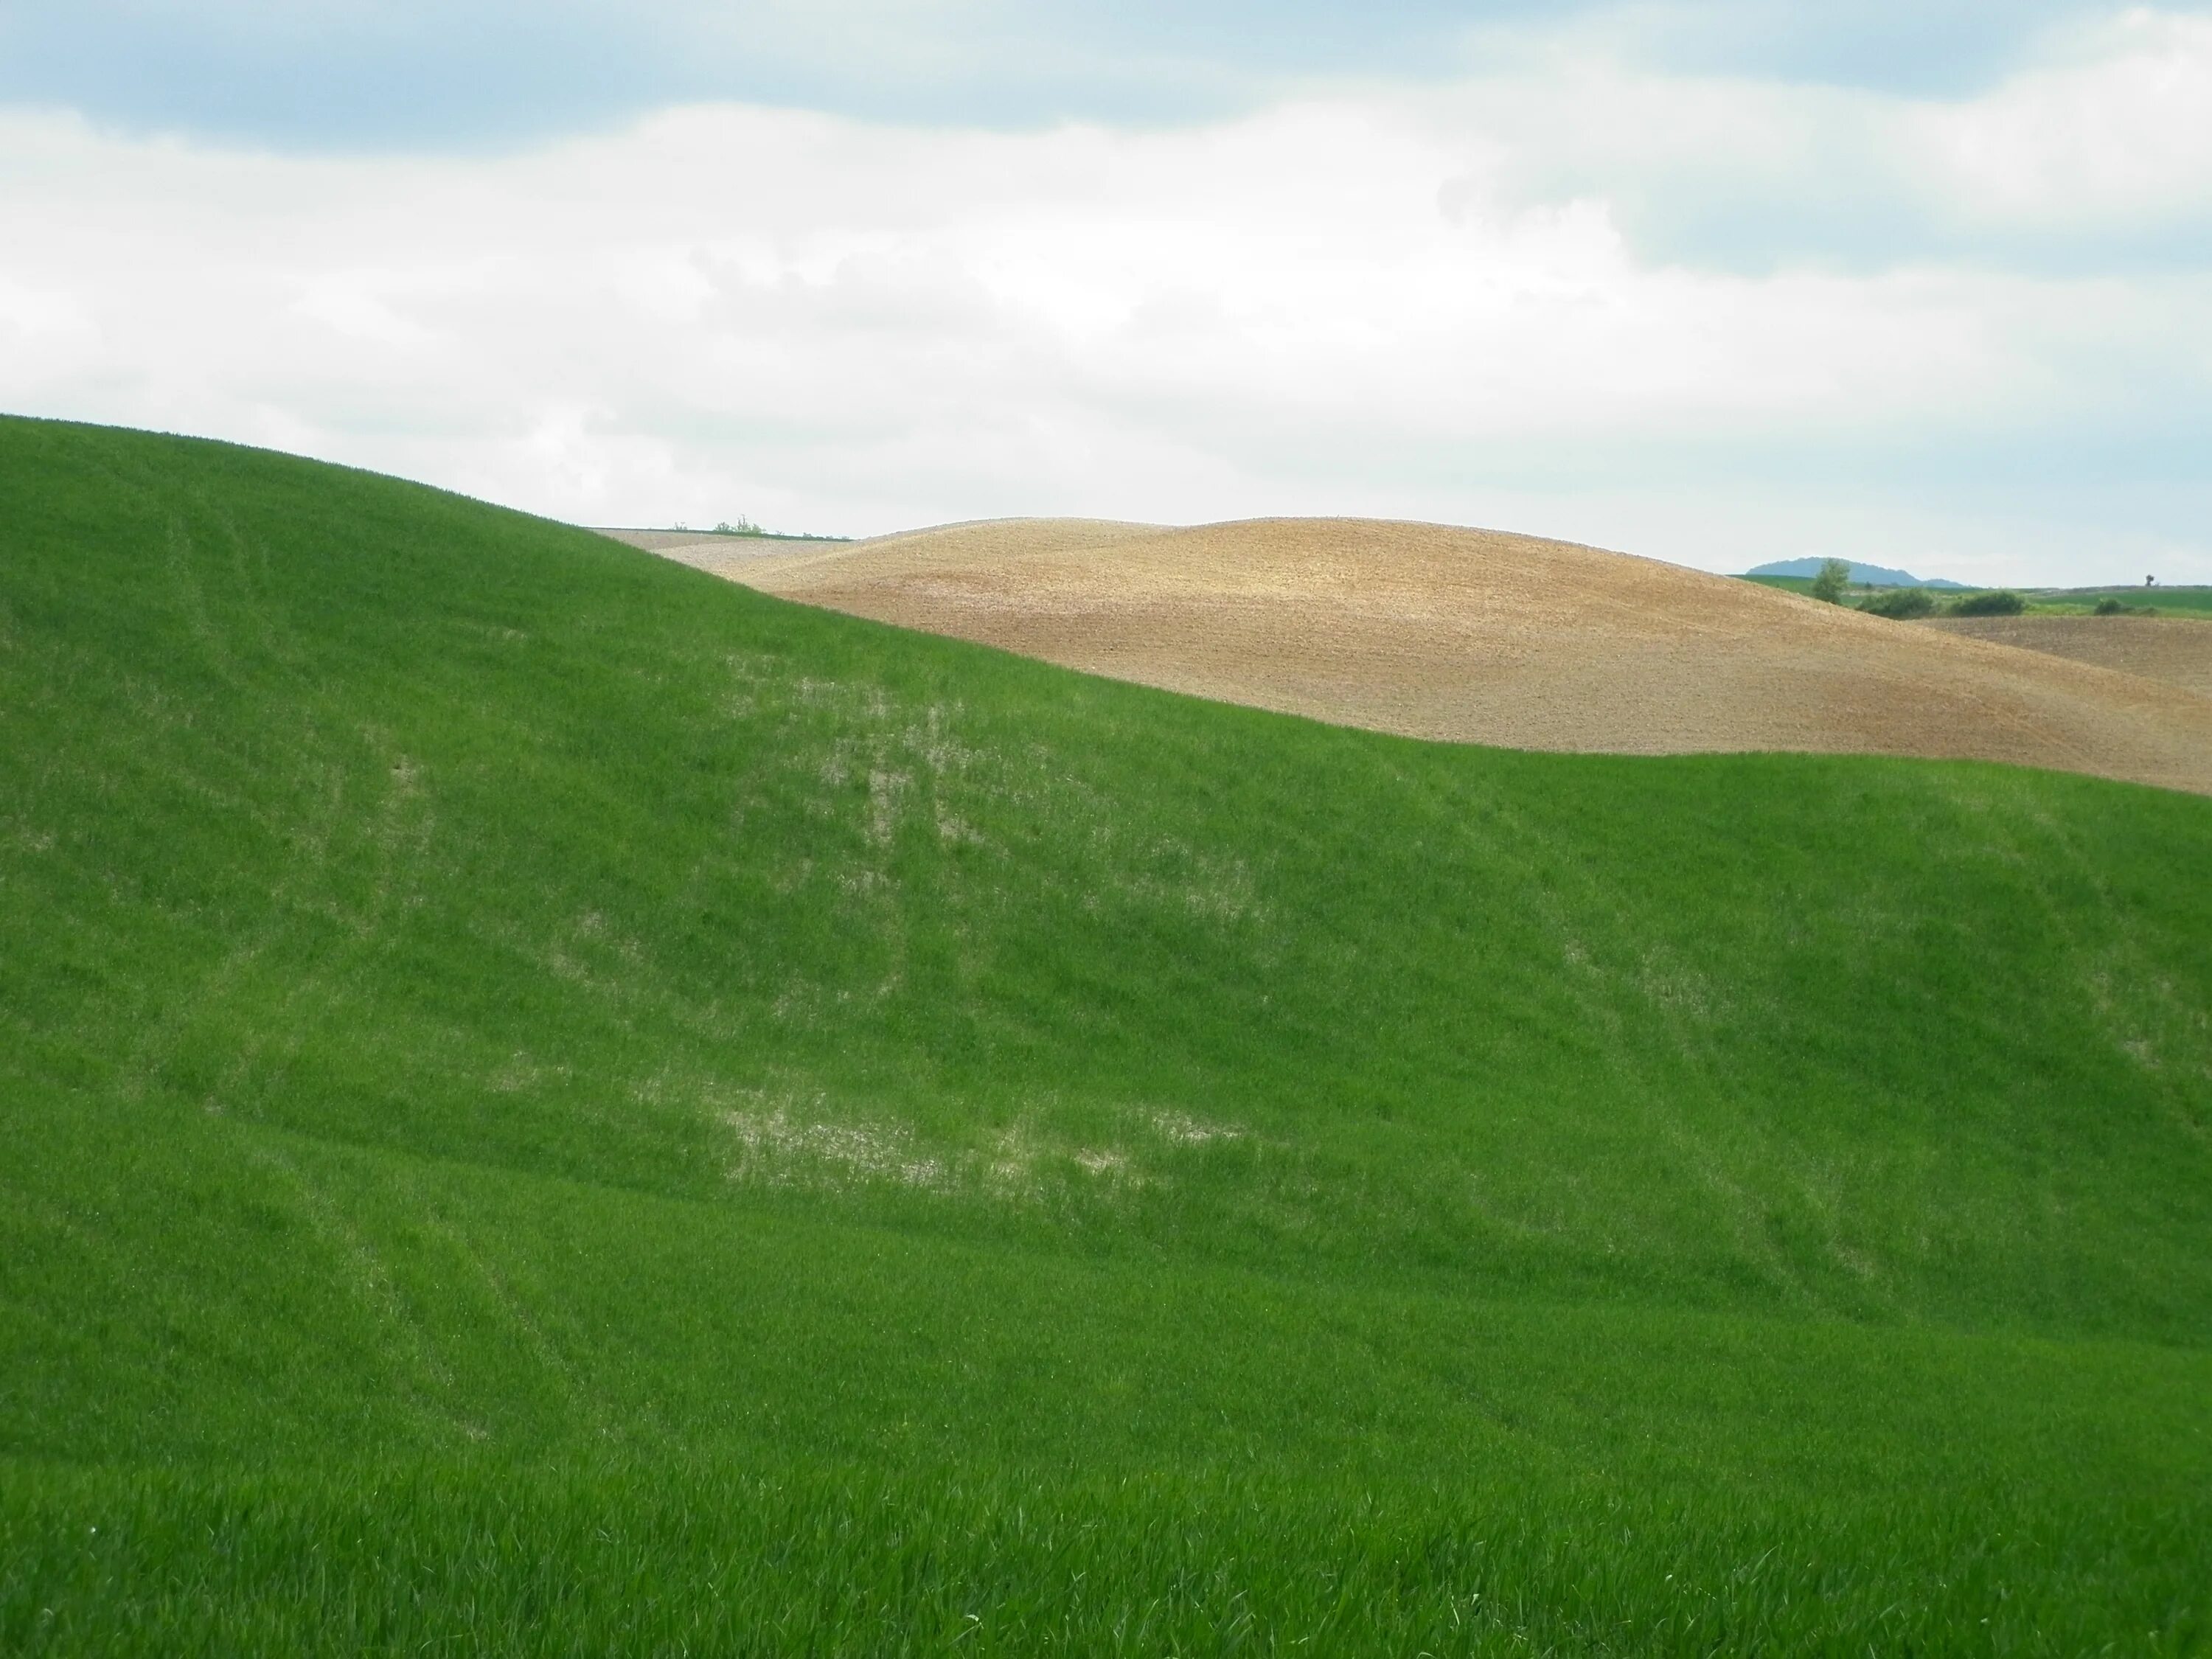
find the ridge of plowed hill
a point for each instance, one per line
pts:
(553, 1104)
(2177, 650)
(1480, 637)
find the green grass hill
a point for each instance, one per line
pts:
(551, 1103)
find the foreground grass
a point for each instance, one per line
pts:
(553, 1103)
(607, 1557)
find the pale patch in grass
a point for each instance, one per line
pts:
(784, 1151)
(952, 829)
(1173, 873)
(789, 1144)
(1184, 1130)
(1673, 985)
(1020, 1160)
(519, 1072)
(918, 772)
(885, 791)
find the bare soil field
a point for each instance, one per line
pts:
(705, 550)
(1481, 636)
(2175, 649)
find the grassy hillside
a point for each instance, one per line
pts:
(553, 1104)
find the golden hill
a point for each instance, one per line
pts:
(2175, 649)
(1480, 637)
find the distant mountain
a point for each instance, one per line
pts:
(1866, 575)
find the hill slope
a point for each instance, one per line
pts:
(2175, 649)
(1482, 637)
(556, 1103)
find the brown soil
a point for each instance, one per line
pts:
(2175, 649)
(704, 550)
(1483, 637)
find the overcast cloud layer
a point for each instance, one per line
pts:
(1582, 284)
(430, 73)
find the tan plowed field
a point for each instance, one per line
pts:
(2175, 649)
(1484, 637)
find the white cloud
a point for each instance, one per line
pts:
(2118, 130)
(1355, 303)
(2099, 147)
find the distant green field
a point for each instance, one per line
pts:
(553, 1103)
(2166, 601)
(1788, 584)
(2045, 601)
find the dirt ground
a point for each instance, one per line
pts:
(703, 549)
(2175, 649)
(1486, 637)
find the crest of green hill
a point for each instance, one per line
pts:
(527, 1066)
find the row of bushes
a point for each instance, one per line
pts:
(1905, 602)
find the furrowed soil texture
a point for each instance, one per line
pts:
(555, 1104)
(1482, 637)
(2175, 649)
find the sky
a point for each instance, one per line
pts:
(1715, 280)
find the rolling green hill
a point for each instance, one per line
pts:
(553, 1104)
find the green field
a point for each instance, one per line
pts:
(2192, 602)
(1802, 585)
(2165, 601)
(553, 1103)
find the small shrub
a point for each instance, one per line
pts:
(2003, 603)
(1828, 586)
(1900, 604)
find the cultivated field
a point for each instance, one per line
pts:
(2175, 649)
(553, 1104)
(1483, 637)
